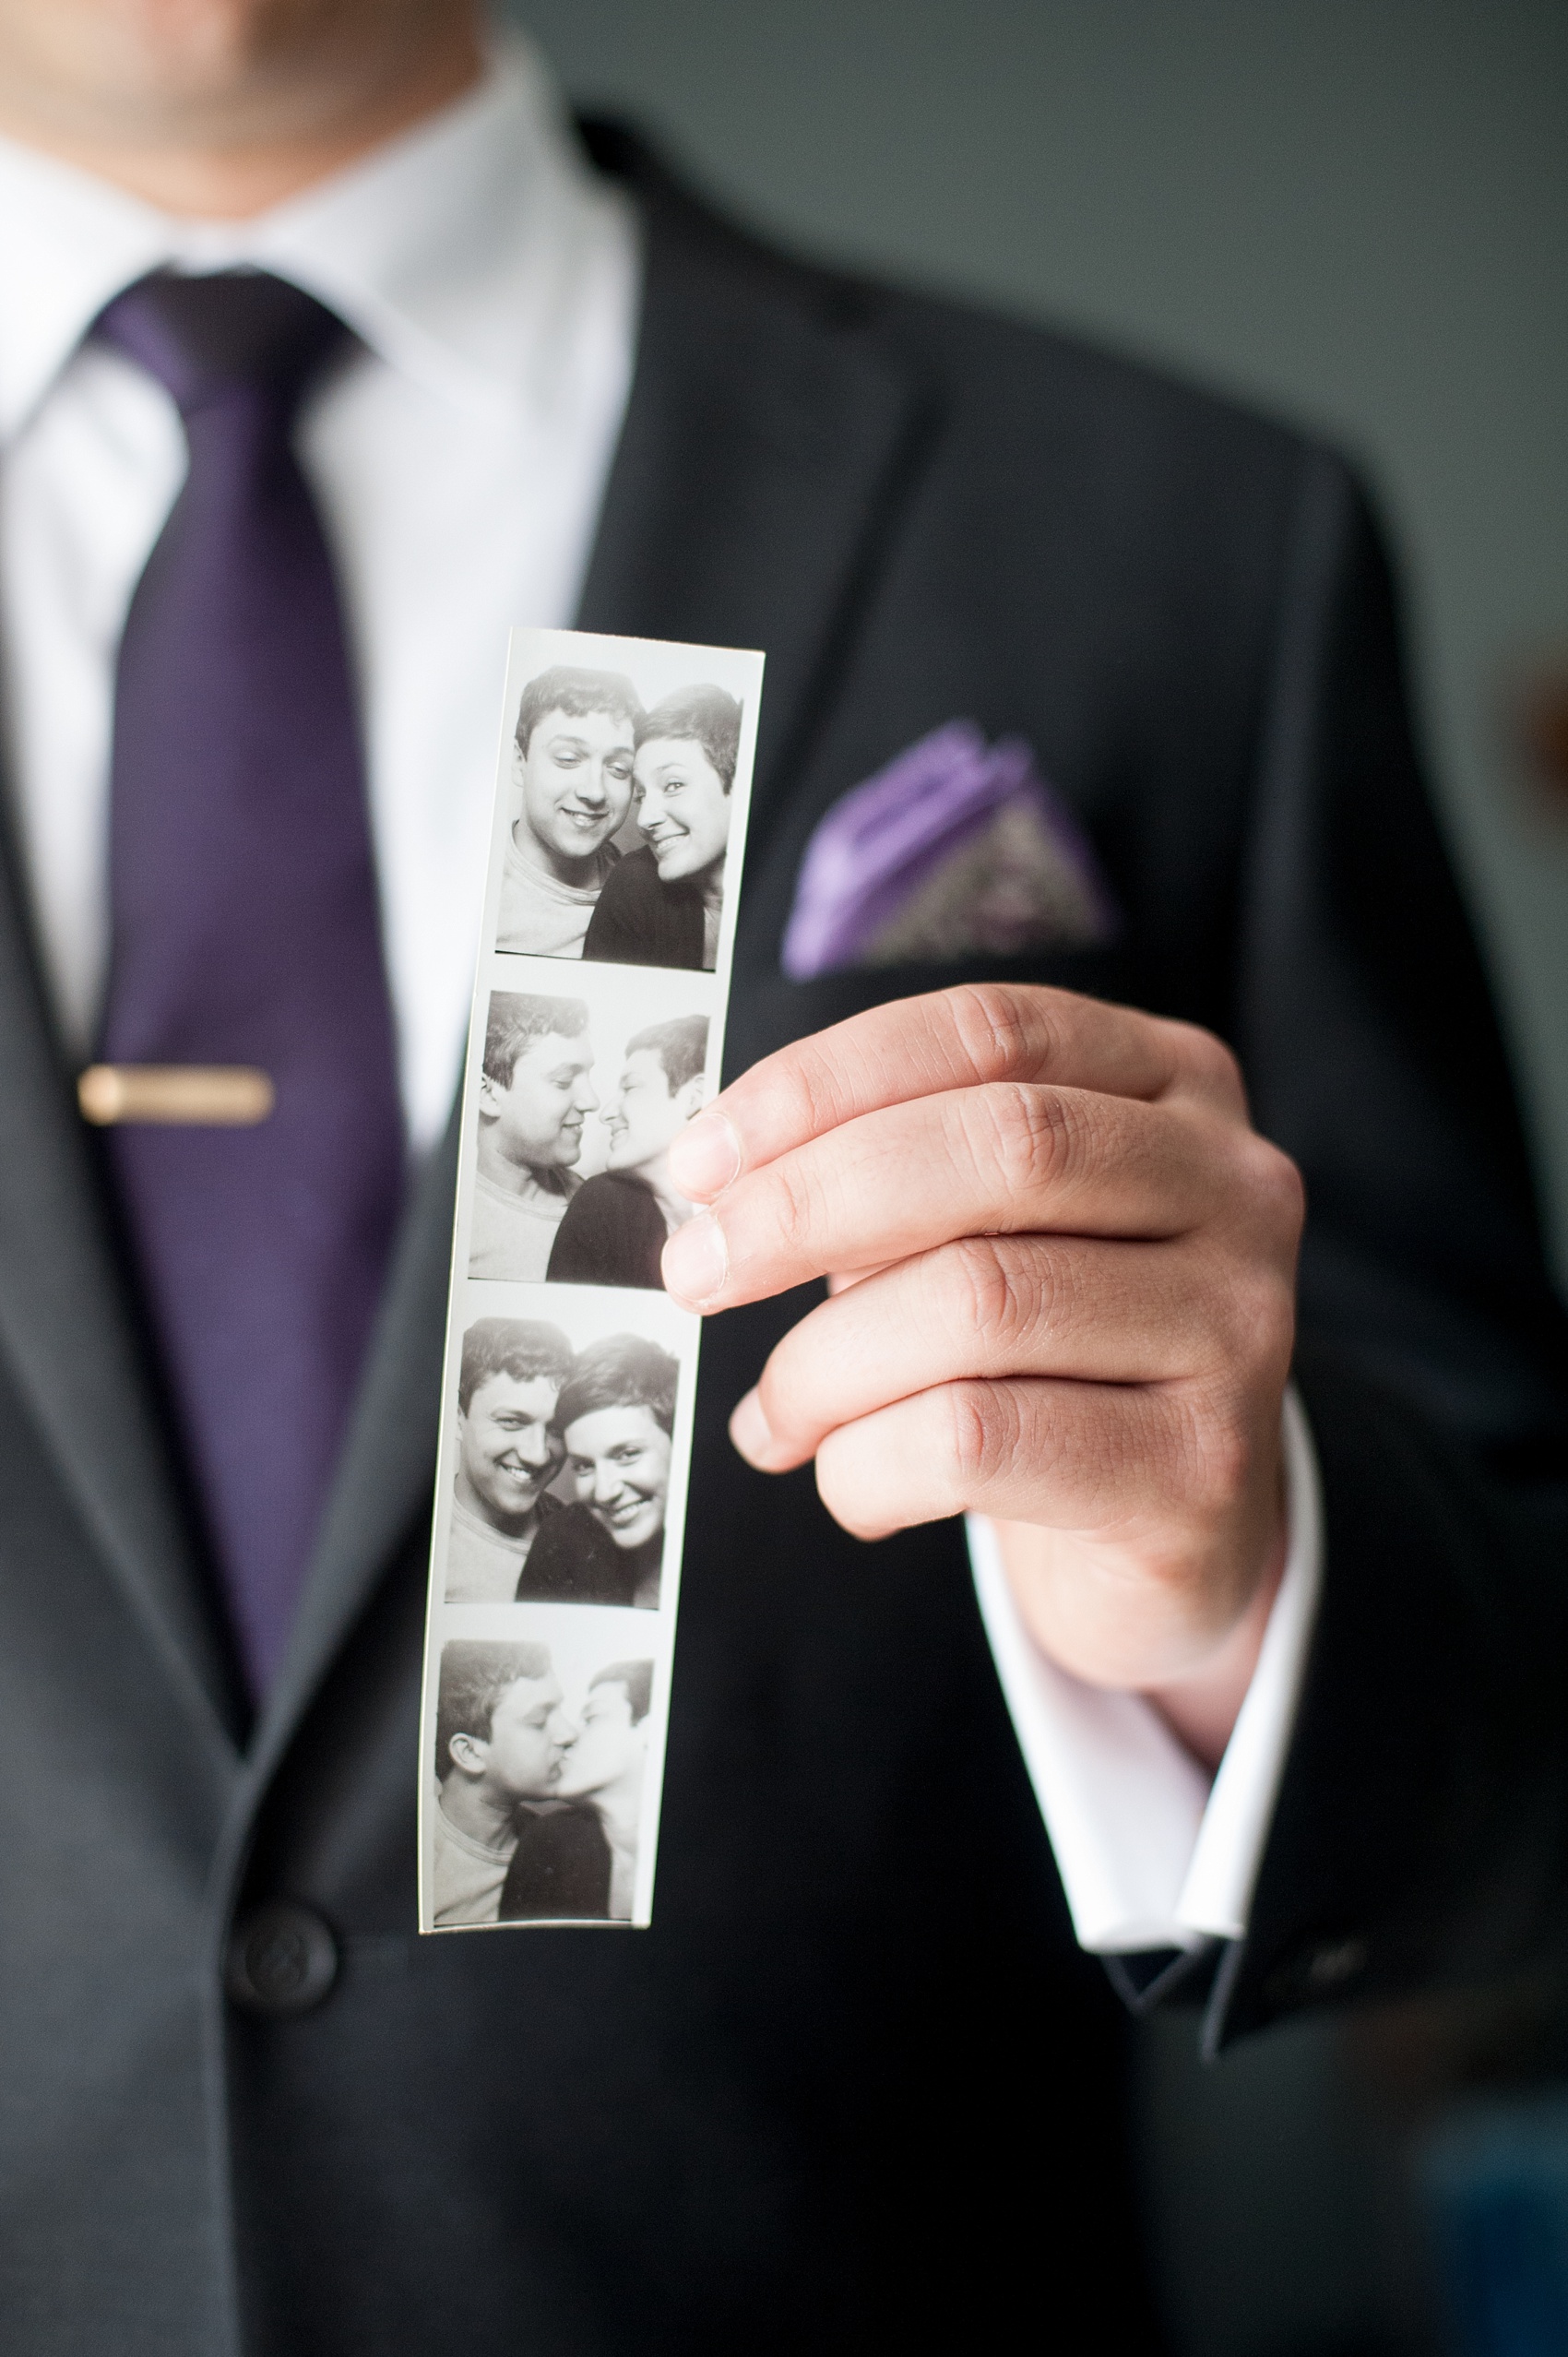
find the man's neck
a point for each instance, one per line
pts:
(546, 860)
(216, 140)
(487, 1817)
(512, 1178)
(506, 1526)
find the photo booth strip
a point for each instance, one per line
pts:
(622, 792)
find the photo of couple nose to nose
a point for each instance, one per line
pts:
(536, 1214)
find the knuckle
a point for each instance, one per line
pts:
(794, 1206)
(1262, 1321)
(1028, 1134)
(1263, 1182)
(985, 1294)
(996, 1027)
(1218, 1446)
(819, 1088)
(1283, 1190)
(983, 1434)
(1241, 1311)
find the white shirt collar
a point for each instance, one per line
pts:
(495, 178)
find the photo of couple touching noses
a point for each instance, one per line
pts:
(551, 1101)
(617, 853)
(540, 1799)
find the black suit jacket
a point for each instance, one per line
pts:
(857, 2087)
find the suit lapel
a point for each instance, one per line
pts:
(769, 439)
(761, 447)
(68, 1332)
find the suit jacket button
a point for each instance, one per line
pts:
(282, 1959)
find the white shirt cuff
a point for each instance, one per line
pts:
(1151, 1853)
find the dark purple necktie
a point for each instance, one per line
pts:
(244, 930)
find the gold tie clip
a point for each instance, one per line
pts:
(207, 1096)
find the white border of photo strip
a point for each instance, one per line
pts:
(572, 1630)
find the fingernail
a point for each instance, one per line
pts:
(705, 1157)
(751, 1432)
(695, 1262)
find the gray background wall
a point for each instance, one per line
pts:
(1353, 211)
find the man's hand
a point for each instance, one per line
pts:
(1063, 1273)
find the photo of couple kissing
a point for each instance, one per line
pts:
(540, 1804)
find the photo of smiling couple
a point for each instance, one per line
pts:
(617, 851)
(562, 1471)
(572, 1181)
(540, 1794)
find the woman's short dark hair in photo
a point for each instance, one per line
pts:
(623, 1372)
(680, 1046)
(704, 715)
(637, 1678)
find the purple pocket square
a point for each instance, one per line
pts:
(957, 848)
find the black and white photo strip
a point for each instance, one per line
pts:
(623, 824)
(596, 1036)
(540, 1770)
(579, 1097)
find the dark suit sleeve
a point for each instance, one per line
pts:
(1420, 1830)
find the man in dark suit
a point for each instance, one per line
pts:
(876, 2088)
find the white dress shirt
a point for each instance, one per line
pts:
(459, 462)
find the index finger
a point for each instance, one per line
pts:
(961, 1038)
